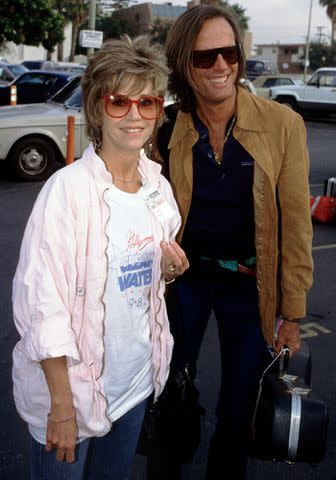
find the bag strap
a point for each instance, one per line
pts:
(285, 353)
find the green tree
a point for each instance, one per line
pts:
(115, 25)
(321, 55)
(159, 29)
(331, 12)
(30, 22)
(240, 12)
(77, 11)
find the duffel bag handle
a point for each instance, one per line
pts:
(284, 353)
(283, 360)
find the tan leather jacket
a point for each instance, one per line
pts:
(275, 137)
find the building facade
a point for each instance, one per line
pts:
(289, 58)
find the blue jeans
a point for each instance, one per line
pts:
(98, 458)
(233, 298)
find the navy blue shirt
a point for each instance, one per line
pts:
(220, 223)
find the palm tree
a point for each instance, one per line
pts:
(238, 9)
(331, 12)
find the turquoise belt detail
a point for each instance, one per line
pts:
(232, 264)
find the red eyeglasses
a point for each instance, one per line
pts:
(117, 106)
(207, 58)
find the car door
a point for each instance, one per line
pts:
(319, 95)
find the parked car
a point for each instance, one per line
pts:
(255, 68)
(34, 137)
(34, 86)
(317, 97)
(70, 67)
(39, 64)
(263, 83)
(10, 71)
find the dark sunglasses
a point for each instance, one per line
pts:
(117, 106)
(207, 58)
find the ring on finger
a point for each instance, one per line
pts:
(171, 267)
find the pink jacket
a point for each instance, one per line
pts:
(58, 288)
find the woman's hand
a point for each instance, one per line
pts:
(174, 261)
(61, 434)
(288, 335)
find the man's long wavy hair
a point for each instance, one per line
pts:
(180, 43)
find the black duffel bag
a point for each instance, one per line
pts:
(290, 421)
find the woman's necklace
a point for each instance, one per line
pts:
(218, 159)
(118, 179)
(138, 181)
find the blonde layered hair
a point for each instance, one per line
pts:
(119, 64)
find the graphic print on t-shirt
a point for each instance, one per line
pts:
(133, 268)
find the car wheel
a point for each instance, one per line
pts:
(33, 159)
(289, 102)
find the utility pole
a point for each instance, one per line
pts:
(307, 42)
(320, 34)
(92, 22)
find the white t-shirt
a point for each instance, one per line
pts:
(127, 373)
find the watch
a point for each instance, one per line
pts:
(291, 319)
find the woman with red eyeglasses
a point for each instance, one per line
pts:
(238, 165)
(88, 292)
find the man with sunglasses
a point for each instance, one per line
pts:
(238, 165)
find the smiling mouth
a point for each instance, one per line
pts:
(132, 130)
(219, 80)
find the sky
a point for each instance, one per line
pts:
(283, 21)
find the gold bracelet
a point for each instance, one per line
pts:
(63, 420)
(170, 281)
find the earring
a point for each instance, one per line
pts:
(97, 144)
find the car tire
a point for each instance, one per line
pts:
(33, 159)
(289, 102)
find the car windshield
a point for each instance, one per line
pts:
(17, 69)
(71, 95)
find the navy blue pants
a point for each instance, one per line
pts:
(244, 354)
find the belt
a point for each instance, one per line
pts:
(235, 266)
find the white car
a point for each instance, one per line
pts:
(33, 137)
(317, 97)
(263, 83)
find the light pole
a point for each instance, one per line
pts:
(307, 42)
(92, 22)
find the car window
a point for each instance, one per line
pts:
(6, 75)
(270, 82)
(36, 79)
(63, 95)
(75, 100)
(255, 66)
(285, 81)
(325, 79)
(328, 79)
(313, 80)
(17, 69)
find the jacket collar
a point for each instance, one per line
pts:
(148, 169)
(250, 130)
(246, 109)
